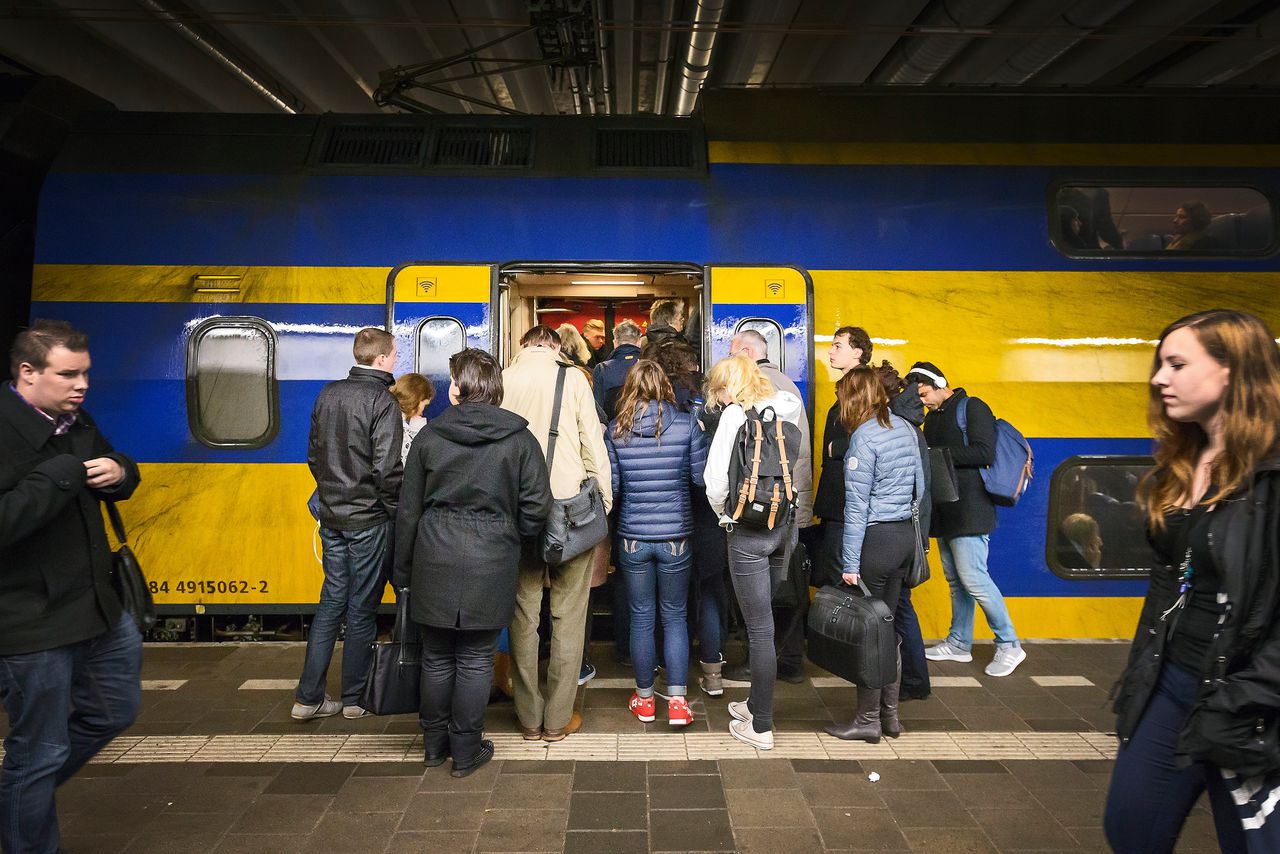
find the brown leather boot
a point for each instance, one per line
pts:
(865, 725)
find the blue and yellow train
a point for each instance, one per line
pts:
(222, 263)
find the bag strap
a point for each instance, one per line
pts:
(748, 489)
(782, 456)
(555, 417)
(962, 419)
(117, 524)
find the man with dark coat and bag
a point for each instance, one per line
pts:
(70, 657)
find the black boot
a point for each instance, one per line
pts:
(865, 725)
(889, 723)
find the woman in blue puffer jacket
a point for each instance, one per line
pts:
(883, 478)
(655, 452)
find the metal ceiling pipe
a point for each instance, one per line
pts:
(1076, 23)
(226, 61)
(922, 57)
(602, 54)
(664, 56)
(1219, 62)
(697, 55)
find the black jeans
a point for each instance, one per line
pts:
(1151, 794)
(915, 668)
(457, 671)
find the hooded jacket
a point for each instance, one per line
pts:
(652, 472)
(716, 474)
(354, 450)
(910, 408)
(1235, 720)
(974, 513)
(530, 389)
(475, 484)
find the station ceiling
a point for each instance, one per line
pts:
(617, 56)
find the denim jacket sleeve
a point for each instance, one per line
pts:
(859, 475)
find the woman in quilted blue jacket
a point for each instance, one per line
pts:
(883, 478)
(655, 452)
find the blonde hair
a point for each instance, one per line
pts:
(741, 378)
(411, 391)
(1250, 411)
(594, 323)
(571, 341)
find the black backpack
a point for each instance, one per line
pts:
(762, 493)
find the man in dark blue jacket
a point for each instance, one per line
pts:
(608, 377)
(963, 528)
(70, 658)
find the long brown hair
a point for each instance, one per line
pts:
(861, 397)
(646, 382)
(1250, 412)
(410, 391)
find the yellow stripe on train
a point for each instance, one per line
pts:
(226, 284)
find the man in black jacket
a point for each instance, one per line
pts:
(65, 643)
(354, 455)
(609, 376)
(963, 528)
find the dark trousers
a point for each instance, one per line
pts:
(457, 671)
(1150, 794)
(915, 668)
(758, 561)
(97, 682)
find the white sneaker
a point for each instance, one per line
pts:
(744, 732)
(946, 652)
(739, 712)
(326, 708)
(354, 712)
(1006, 661)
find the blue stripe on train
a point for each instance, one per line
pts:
(819, 217)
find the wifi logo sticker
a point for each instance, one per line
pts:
(427, 287)
(775, 287)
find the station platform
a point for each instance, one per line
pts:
(214, 763)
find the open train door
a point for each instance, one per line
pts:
(775, 301)
(435, 310)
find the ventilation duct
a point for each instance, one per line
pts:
(697, 56)
(1221, 61)
(921, 57)
(1076, 23)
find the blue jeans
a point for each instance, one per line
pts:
(352, 589)
(915, 668)
(1151, 793)
(658, 581)
(964, 563)
(97, 681)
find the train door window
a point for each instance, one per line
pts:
(438, 339)
(232, 393)
(1167, 221)
(772, 333)
(1096, 528)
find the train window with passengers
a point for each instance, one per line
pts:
(772, 333)
(1096, 528)
(438, 339)
(233, 398)
(1167, 221)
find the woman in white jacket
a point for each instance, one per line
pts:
(758, 556)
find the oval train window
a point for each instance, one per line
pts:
(772, 333)
(1095, 526)
(438, 339)
(232, 391)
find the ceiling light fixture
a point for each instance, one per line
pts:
(607, 282)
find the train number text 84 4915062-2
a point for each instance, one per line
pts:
(210, 585)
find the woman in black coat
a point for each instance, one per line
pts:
(1199, 704)
(475, 484)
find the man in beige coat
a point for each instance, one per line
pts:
(530, 384)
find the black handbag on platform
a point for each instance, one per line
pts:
(576, 524)
(131, 584)
(395, 670)
(943, 486)
(851, 635)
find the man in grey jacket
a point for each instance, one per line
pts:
(354, 455)
(788, 622)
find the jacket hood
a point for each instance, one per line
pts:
(786, 404)
(908, 406)
(477, 423)
(646, 424)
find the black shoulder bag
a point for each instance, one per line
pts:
(130, 583)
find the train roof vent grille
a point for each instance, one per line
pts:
(483, 147)
(374, 145)
(619, 148)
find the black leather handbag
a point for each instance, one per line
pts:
(943, 486)
(395, 670)
(131, 584)
(851, 635)
(578, 523)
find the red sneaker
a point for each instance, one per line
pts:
(678, 713)
(643, 708)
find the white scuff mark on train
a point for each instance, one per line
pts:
(1085, 342)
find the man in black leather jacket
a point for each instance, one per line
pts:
(354, 455)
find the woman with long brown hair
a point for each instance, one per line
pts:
(656, 452)
(1198, 705)
(883, 479)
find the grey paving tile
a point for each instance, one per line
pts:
(988, 790)
(969, 766)
(1096, 767)
(231, 795)
(839, 790)
(172, 831)
(108, 813)
(311, 778)
(243, 769)
(610, 777)
(164, 777)
(445, 811)
(991, 720)
(612, 841)
(1057, 724)
(439, 779)
(97, 843)
(681, 766)
(1053, 775)
(90, 771)
(283, 814)
(248, 843)
(770, 840)
(686, 792)
(690, 830)
(375, 795)
(542, 766)
(927, 809)
(522, 830)
(1090, 838)
(757, 774)
(532, 791)
(949, 840)
(826, 766)
(434, 841)
(1010, 827)
(414, 768)
(767, 808)
(608, 811)
(933, 725)
(354, 832)
(859, 829)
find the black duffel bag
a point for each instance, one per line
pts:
(851, 635)
(395, 669)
